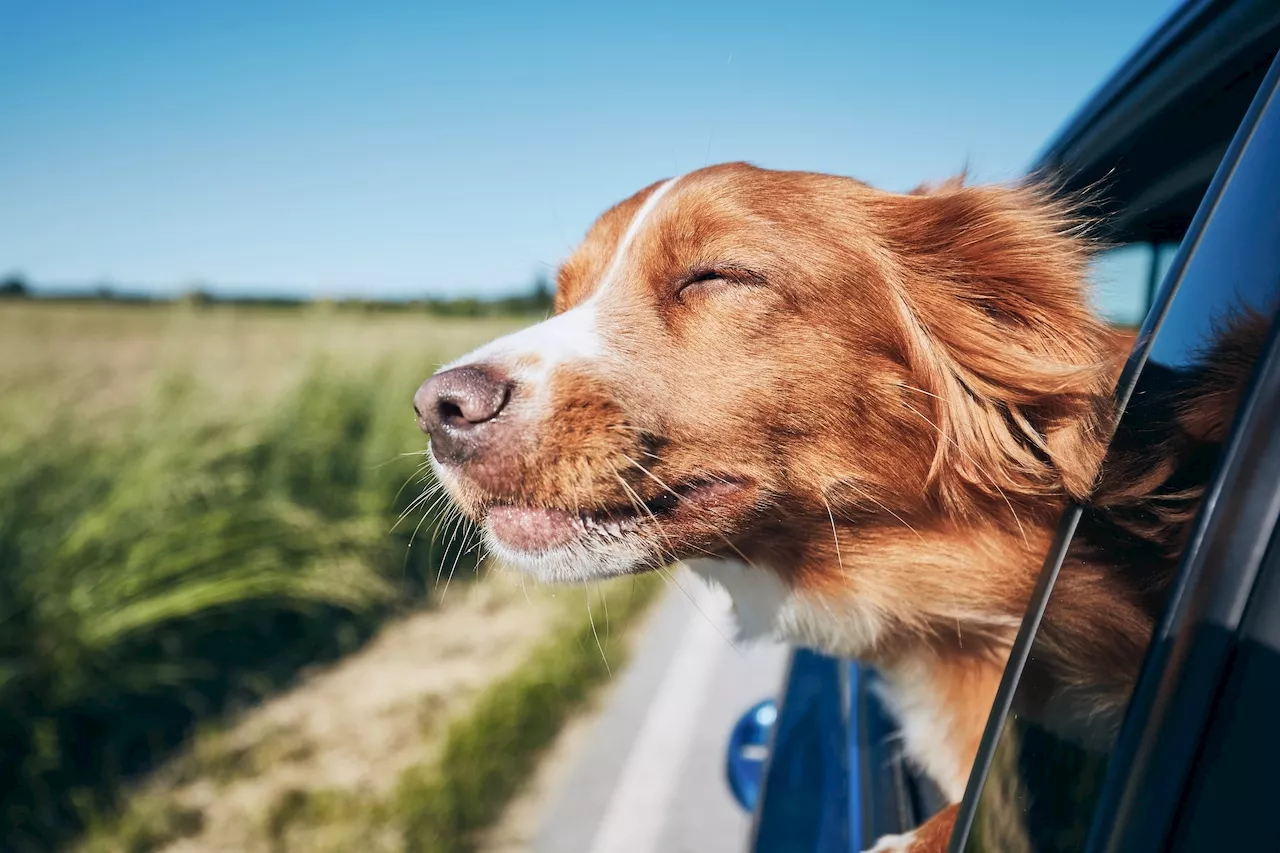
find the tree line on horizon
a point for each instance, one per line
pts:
(538, 299)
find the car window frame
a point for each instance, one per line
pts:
(1241, 741)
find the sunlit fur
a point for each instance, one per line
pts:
(901, 392)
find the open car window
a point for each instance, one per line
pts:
(1046, 762)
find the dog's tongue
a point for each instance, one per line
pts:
(533, 528)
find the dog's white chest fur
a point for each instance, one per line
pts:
(766, 608)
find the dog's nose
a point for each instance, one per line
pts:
(454, 405)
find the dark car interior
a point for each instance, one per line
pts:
(1151, 139)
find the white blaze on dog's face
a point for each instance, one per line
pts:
(742, 361)
(606, 455)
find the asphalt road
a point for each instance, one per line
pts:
(650, 776)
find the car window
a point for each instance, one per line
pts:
(1050, 758)
(1124, 280)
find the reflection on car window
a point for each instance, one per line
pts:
(1165, 253)
(1124, 279)
(1051, 756)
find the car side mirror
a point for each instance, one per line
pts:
(747, 752)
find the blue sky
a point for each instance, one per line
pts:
(420, 147)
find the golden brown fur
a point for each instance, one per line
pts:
(1116, 577)
(898, 392)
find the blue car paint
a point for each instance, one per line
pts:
(826, 765)
(812, 774)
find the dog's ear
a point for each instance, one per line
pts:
(1014, 366)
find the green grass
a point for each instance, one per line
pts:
(152, 579)
(192, 550)
(197, 505)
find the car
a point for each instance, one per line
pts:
(1184, 142)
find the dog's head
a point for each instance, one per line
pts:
(742, 360)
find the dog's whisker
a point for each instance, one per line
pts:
(670, 555)
(849, 484)
(409, 480)
(604, 603)
(671, 577)
(640, 507)
(404, 568)
(440, 503)
(439, 497)
(834, 535)
(378, 466)
(652, 476)
(709, 620)
(425, 466)
(458, 521)
(457, 557)
(478, 546)
(920, 390)
(680, 498)
(426, 492)
(416, 503)
(470, 531)
(592, 619)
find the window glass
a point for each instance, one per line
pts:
(1052, 753)
(1123, 280)
(1165, 253)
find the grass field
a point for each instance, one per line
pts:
(98, 360)
(196, 505)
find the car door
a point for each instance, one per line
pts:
(1041, 785)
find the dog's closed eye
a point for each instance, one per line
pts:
(709, 280)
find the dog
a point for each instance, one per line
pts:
(861, 412)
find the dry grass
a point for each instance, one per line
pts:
(280, 775)
(417, 743)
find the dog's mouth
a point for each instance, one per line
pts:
(681, 512)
